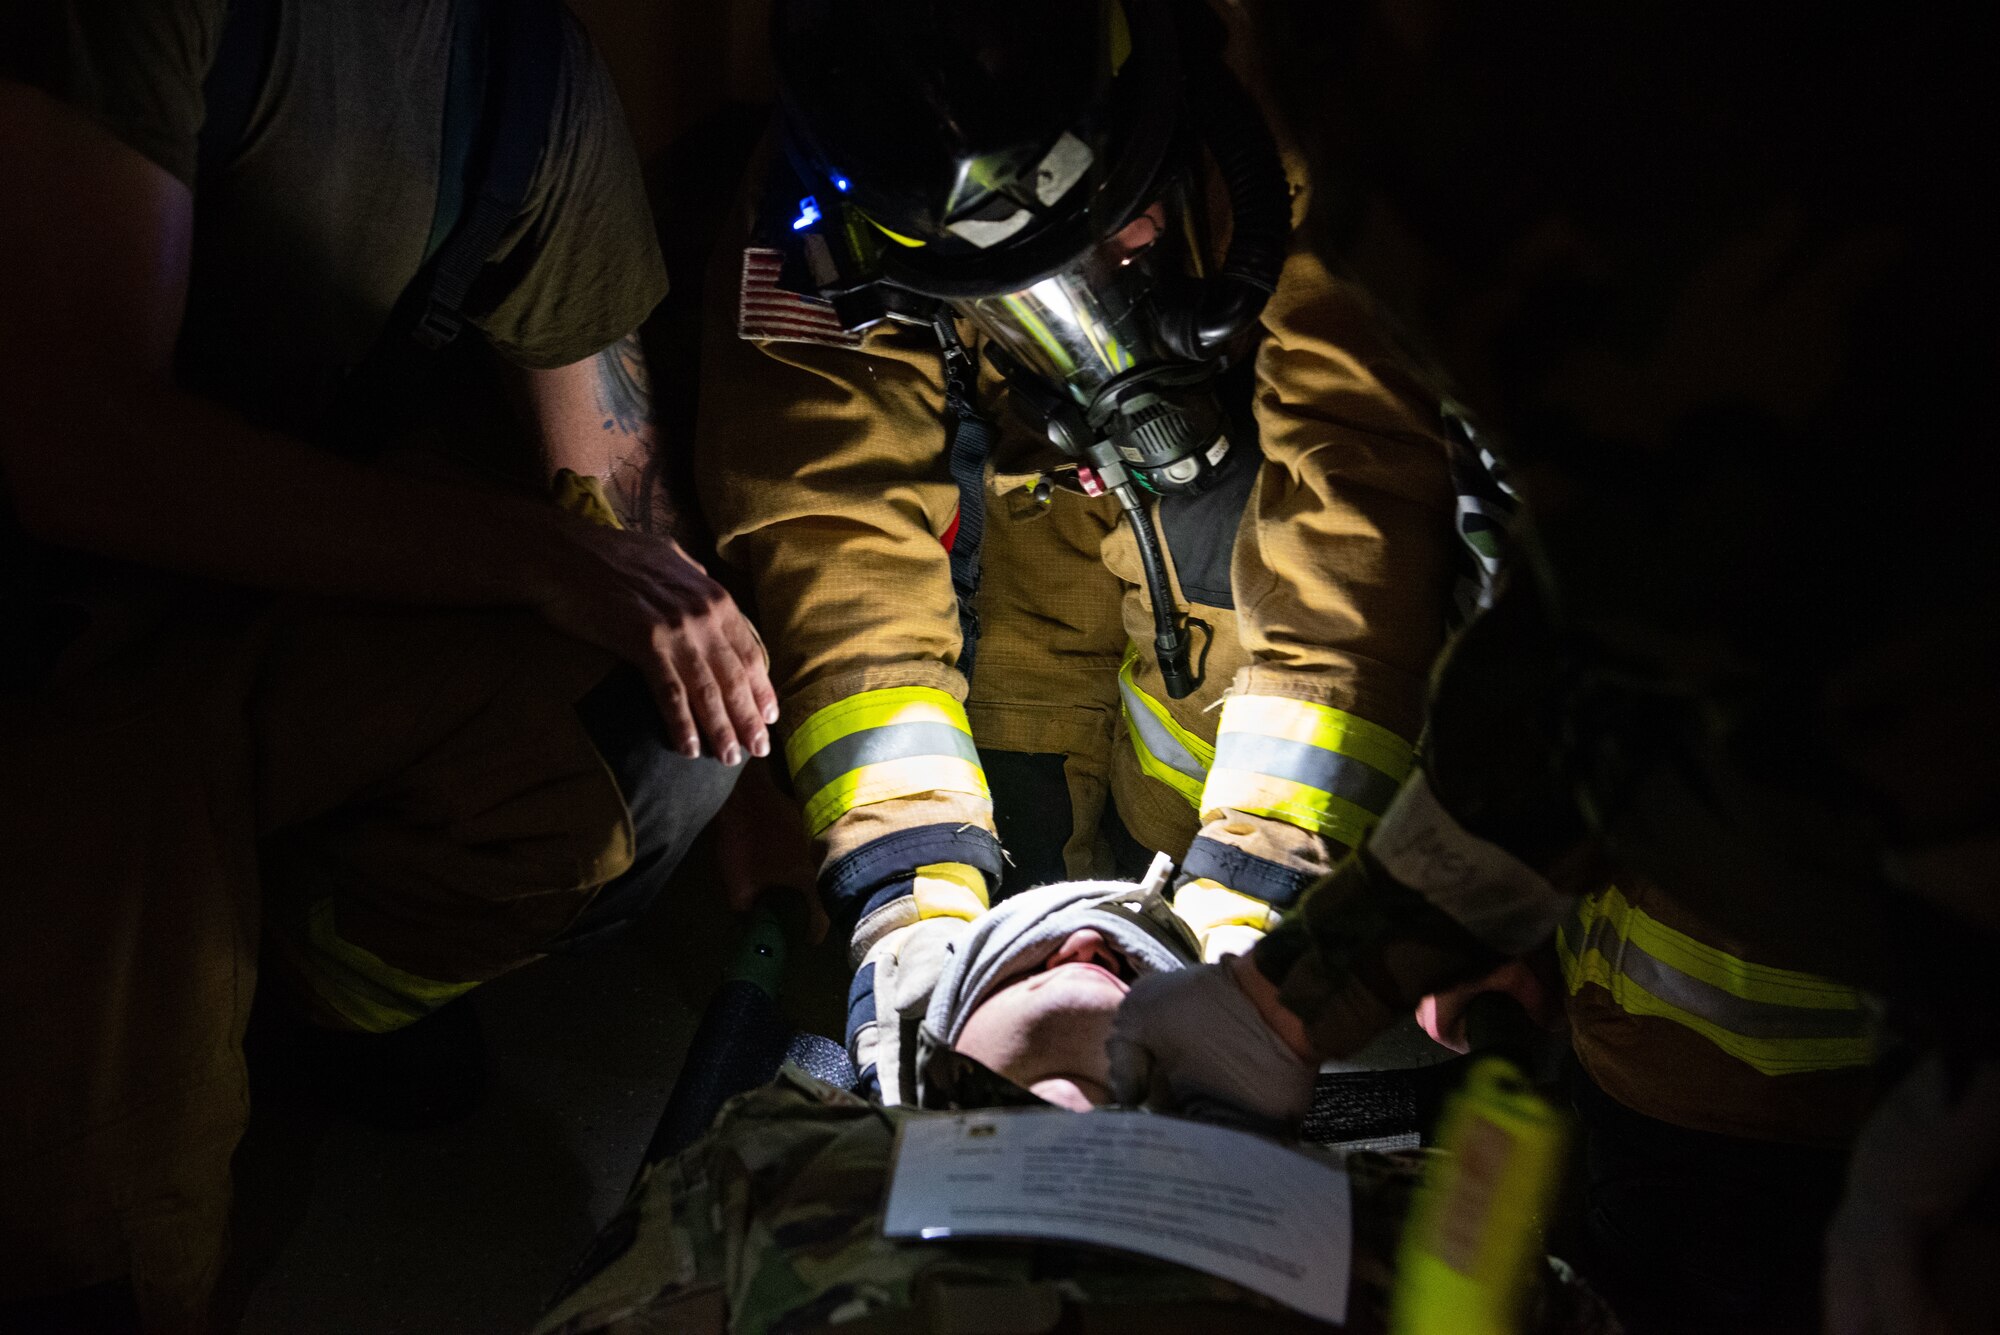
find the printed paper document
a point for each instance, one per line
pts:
(1225, 1202)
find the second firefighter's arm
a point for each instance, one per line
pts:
(1342, 577)
(1478, 858)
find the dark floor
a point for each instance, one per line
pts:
(341, 1230)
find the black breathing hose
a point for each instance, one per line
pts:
(1170, 637)
(1260, 205)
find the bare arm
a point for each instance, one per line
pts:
(103, 453)
(595, 417)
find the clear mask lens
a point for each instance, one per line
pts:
(1096, 319)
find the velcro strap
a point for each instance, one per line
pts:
(860, 1008)
(1307, 764)
(882, 869)
(881, 745)
(1273, 882)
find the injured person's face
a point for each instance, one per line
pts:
(1046, 1030)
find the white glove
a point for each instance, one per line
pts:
(908, 962)
(1191, 1041)
(1900, 1234)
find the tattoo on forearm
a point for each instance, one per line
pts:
(624, 390)
(625, 396)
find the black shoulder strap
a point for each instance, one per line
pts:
(229, 93)
(522, 54)
(499, 101)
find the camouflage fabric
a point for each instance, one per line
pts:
(772, 1223)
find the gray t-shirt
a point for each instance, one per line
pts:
(308, 236)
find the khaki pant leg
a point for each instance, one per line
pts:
(129, 856)
(435, 813)
(1046, 678)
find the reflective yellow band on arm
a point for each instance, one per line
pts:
(1778, 1021)
(367, 991)
(881, 745)
(1307, 764)
(950, 890)
(1166, 751)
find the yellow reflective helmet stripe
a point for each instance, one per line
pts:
(1304, 763)
(362, 988)
(1166, 751)
(880, 745)
(1778, 1021)
(897, 237)
(949, 890)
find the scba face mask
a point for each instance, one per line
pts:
(1092, 360)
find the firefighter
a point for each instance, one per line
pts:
(1086, 515)
(1748, 654)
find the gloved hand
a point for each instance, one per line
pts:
(1192, 1041)
(899, 949)
(1904, 1251)
(1225, 921)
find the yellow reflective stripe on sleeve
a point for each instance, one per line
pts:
(949, 890)
(1321, 727)
(362, 988)
(882, 745)
(888, 780)
(1307, 764)
(1309, 808)
(1778, 1021)
(1166, 751)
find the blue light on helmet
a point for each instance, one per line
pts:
(841, 183)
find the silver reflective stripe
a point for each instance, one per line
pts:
(1162, 745)
(1751, 1019)
(872, 746)
(1313, 766)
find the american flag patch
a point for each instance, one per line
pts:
(765, 310)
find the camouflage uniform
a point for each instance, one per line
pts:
(772, 1223)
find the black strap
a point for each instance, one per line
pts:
(229, 93)
(972, 438)
(525, 49)
(499, 103)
